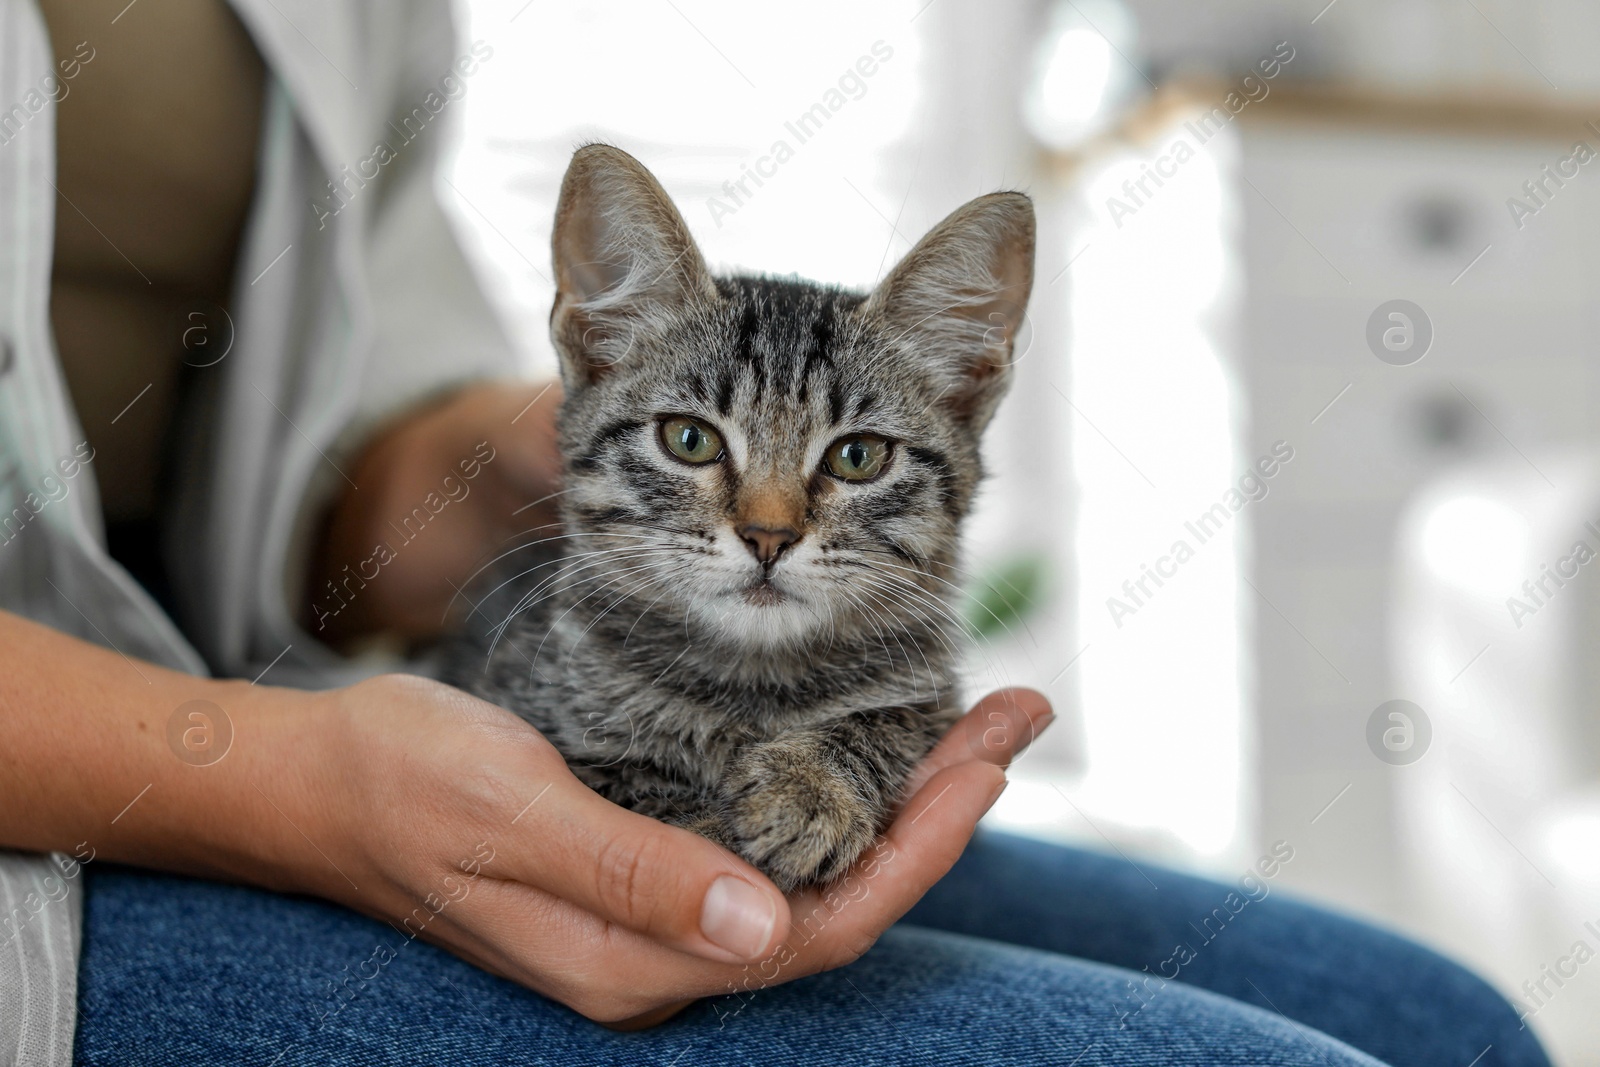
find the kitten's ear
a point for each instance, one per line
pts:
(959, 296)
(623, 259)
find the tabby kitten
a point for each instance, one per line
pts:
(749, 624)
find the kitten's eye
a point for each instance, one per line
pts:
(690, 441)
(857, 459)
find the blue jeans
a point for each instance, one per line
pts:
(1026, 953)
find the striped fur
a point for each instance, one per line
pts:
(775, 710)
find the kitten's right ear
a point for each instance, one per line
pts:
(623, 260)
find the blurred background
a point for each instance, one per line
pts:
(1293, 502)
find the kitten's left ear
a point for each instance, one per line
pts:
(959, 298)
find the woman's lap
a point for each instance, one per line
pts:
(176, 970)
(1387, 996)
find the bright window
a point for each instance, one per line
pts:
(703, 92)
(1152, 444)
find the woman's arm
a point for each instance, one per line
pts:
(85, 759)
(504, 434)
(452, 820)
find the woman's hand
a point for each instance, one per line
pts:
(453, 820)
(458, 823)
(442, 487)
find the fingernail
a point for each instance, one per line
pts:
(738, 917)
(1048, 718)
(996, 796)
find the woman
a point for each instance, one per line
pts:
(236, 337)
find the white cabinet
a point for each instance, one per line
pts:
(1341, 216)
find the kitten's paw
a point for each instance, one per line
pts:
(795, 816)
(711, 826)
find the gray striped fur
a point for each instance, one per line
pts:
(779, 719)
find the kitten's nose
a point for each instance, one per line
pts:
(766, 544)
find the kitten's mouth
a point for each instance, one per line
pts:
(763, 593)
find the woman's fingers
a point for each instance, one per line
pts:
(614, 976)
(834, 925)
(604, 972)
(631, 980)
(681, 890)
(934, 827)
(660, 881)
(997, 728)
(627, 919)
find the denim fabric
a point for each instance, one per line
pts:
(1387, 996)
(183, 971)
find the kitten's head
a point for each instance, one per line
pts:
(771, 459)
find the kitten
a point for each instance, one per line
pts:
(749, 626)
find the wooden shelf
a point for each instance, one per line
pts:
(1308, 104)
